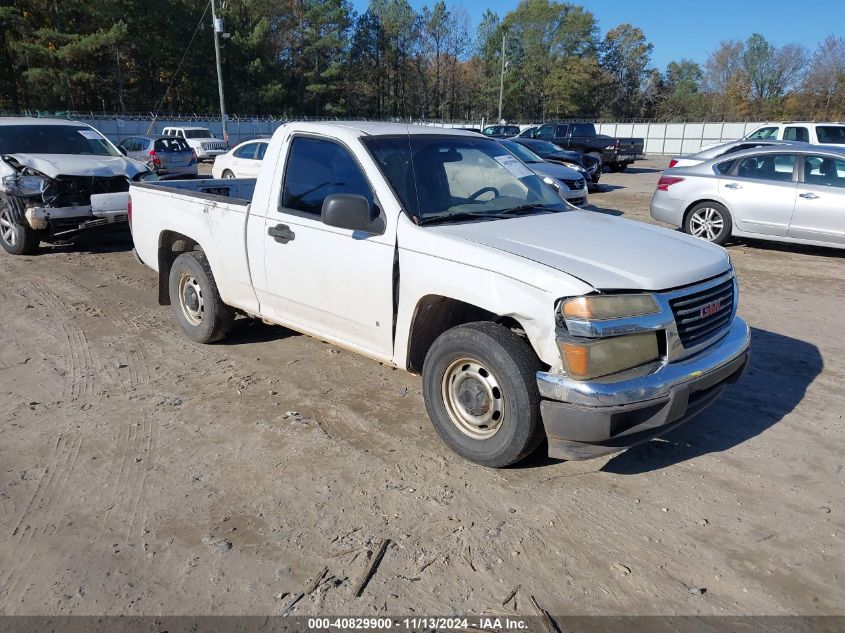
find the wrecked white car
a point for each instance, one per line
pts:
(58, 178)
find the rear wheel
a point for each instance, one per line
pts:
(15, 236)
(709, 221)
(228, 173)
(618, 167)
(480, 390)
(196, 301)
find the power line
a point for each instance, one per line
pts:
(176, 74)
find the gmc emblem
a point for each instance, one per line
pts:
(709, 309)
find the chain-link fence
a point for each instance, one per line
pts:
(660, 138)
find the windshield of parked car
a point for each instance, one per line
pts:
(831, 134)
(171, 145)
(54, 139)
(201, 133)
(544, 148)
(521, 152)
(763, 133)
(459, 178)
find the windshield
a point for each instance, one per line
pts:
(54, 139)
(451, 178)
(544, 148)
(521, 152)
(201, 133)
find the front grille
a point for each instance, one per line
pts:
(72, 191)
(703, 314)
(575, 184)
(214, 145)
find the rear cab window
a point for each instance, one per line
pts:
(796, 133)
(316, 168)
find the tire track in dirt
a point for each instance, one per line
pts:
(40, 516)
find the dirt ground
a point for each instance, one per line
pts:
(143, 474)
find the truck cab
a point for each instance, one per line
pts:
(615, 153)
(440, 253)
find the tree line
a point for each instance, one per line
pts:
(319, 58)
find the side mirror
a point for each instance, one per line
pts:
(349, 211)
(122, 149)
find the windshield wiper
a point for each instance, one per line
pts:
(462, 215)
(524, 209)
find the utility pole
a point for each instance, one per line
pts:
(502, 80)
(217, 27)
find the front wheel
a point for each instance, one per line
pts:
(15, 236)
(709, 221)
(480, 390)
(196, 301)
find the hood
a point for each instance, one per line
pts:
(53, 165)
(607, 252)
(554, 170)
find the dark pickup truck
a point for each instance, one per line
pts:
(616, 153)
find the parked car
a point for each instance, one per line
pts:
(805, 132)
(161, 154)
(719, 150)
(790, 193)
(570, 183)
(615, 153)
(501, 131)
(58, 178)
(438, 252)
(200, 139)
(554, 154)
(242, 161)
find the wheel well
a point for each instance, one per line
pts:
(435, 314)
(170, 245)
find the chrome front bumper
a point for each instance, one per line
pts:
(585, 419)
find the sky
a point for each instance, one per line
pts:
(691, 28)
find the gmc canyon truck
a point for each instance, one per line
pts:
(616, 153)
(440, 253)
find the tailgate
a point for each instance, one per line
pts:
(631, 146)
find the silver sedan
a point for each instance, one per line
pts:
(781, 193)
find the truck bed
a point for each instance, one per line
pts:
(231, 190)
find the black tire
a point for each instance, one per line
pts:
(617, 168)
(16, 237)
(228, 173)
(720, 218)
(511, 365)
(196, 301)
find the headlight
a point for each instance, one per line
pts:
(589, 359)
(25, 185)
(551, 181)
(604, 307)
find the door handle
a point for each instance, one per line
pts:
(808, 196)
(281, 233)
(733, 185)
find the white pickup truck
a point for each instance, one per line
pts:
(438, 252)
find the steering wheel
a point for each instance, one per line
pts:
(484, 190)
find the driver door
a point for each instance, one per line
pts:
(331, 282)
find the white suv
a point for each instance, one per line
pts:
(815, 133)
(200, 139)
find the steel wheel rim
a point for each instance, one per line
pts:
(228, 174)
(8, 232)
(473, 398)
(191, 299)
(707, 223)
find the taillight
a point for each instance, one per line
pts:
(154, 159)
(129, 211)
(673, 162)
(667, 181)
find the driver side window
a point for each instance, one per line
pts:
(316, 169)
